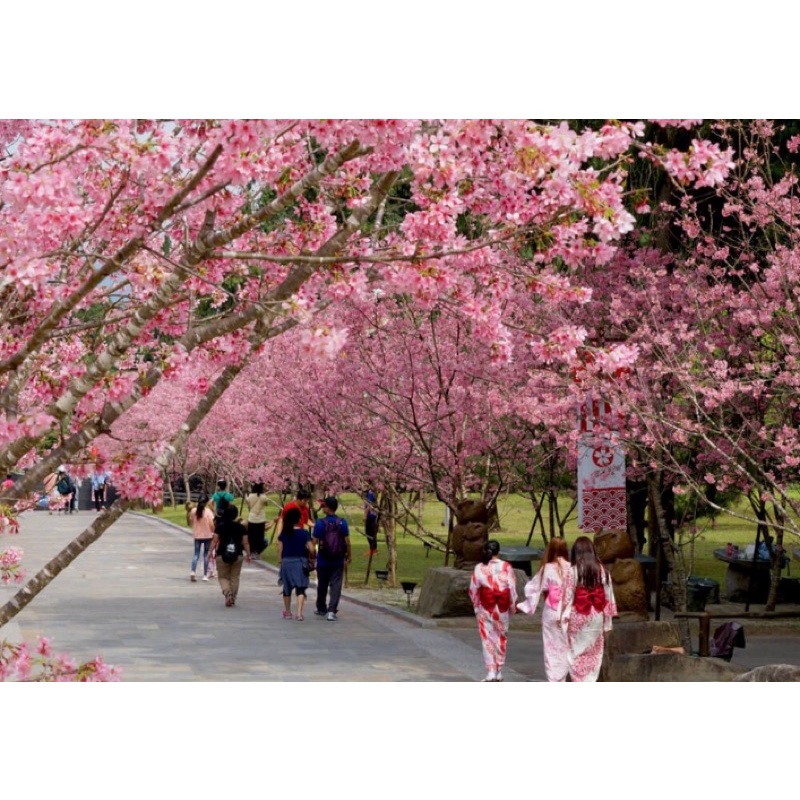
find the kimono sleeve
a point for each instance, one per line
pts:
(533, 591)
(512, 585)
(474, 588)
(610, 609)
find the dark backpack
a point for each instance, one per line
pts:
(227, 532)
(332, 544)
(227, 546)
(64, 485)
(228, 552)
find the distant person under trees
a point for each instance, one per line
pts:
(371, 521)
(222, 493)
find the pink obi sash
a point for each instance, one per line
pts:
(588, 599)
(553, 596)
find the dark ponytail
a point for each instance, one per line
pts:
(490, 549)
(200, 507)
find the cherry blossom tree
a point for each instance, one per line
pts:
(127, 248)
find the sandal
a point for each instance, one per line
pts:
(286, 614)
(299, 617)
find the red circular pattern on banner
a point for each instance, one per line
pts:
(603, 456)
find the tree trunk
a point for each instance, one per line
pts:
(389, 522)
(494, 517)
(562, 521)
(170, 492)
(537, 517)
(777, 555)
(671, 555)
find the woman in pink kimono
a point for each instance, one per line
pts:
(493, 592)
(589, 606)
(549, 582)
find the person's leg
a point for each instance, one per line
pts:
(337, 573)
(301, 601)
(501, 628)
(196, 556)
(206, 546)
(287, 590)
(236, 572)
(323, 579)
(487, 648)
(223, 572)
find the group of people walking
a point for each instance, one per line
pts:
(578, 608)
(61, 490)
(324, 549)
(226, 544)
(575, 588)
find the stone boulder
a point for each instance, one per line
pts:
(667, 667)
(771, 673)
(445, 592)
(629, 656)
(640, 637)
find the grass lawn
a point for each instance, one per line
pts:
(516, 516)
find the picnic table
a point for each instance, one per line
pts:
(737, 576)
(521, 557)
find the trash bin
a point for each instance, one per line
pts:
(708, 583)
(697, 592)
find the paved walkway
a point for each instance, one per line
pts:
(129, 599)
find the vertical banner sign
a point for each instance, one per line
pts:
(601, 472)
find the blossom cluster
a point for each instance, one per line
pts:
(21, 662)
(10, 565)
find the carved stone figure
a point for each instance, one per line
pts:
(611, 545)
(616, 551)
(470, 534)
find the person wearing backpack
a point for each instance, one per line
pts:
(232, 546)
(222, 493)
(67, 489)
(332, 537)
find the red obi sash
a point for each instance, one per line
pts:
(491, 598)
(588, 599)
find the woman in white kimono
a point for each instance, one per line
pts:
(493, 592)
(549, 582)
(589, 606)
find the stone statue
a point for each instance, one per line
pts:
(616, 551)
(470, 534)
